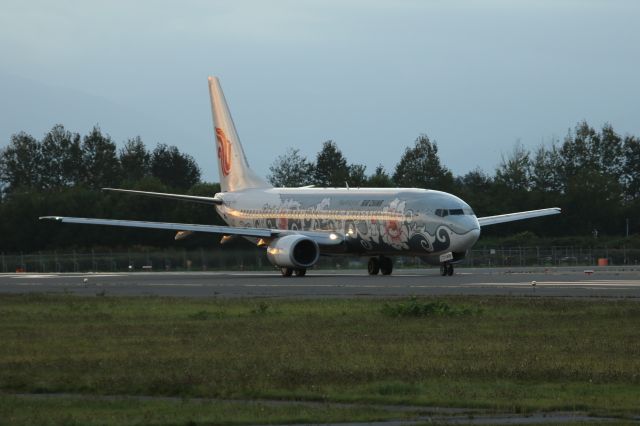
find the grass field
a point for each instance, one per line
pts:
(72, 410)
(501, 354)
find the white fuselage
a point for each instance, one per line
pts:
(389, 221)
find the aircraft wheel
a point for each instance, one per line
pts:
(443, 269)
(374, 266)
(301, 272)
(286, 272)
(449, 269)
(386, 265)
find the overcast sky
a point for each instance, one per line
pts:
(476, 76)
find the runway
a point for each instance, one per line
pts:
(610, 282)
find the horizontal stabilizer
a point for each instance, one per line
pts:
(192, 198)
(510, 217)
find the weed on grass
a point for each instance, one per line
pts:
(415, 308)
(206, 315)
(262, 308)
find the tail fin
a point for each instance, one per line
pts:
(235, 173)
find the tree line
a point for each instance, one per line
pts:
(62, 174)
(592, 174)
(62, 159)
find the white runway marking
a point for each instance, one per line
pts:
(169, 285)
(45, 276)
(595, 284)
(590, 283)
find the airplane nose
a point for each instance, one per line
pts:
(472, 237)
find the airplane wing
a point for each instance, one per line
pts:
(322, 238)
(193, 198)
(510, 217)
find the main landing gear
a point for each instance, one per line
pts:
(380, 264)
(446, 269)
(287, 272)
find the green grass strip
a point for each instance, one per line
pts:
(501, 354)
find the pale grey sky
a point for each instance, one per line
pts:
(476, 76)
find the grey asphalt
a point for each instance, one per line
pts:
(608, 282)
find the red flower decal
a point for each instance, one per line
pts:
(224, 151)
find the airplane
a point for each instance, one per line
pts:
(297, 225)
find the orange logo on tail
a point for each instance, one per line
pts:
(224, 151)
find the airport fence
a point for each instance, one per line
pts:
(255, 260)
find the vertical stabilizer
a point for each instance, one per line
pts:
(235, 173)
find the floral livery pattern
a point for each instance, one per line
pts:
(370, 235)
(403, 235)
(395, 233)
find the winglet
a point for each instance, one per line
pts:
(57, 218)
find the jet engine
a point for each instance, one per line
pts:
(293, 251)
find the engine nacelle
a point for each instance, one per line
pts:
(293, 251)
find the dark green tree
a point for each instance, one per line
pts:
(357, 176)
(592, 171)
(101, 166)
(631, 170)
(135, 160)
(331, 167)
(588, 149)
(546, 170)
(610, 153)
(476, 188)
(20, 163)
(291, 170)
(380, 179)
(173, 168)
(514, 171)
(420, 167)
(62, 163)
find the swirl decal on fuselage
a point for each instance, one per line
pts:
(224, 152)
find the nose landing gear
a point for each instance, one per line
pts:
(380, 264)
(446, 269)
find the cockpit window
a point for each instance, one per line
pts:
(454, 212)
(442, 212)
